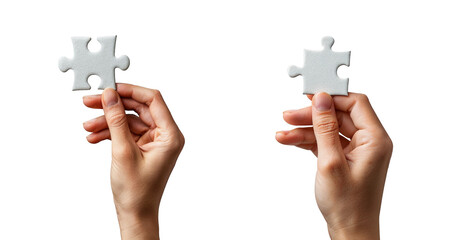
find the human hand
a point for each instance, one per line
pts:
(351, 173)
(144, 152)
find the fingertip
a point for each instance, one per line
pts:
(92, 101)
(287, 114)
(109, 97)
(90, 126)
(322, 102)
(86, 100)
(90, 139)
(280, 135)
(120, 86)
(108, 90)
(94, 139)
(87, 97)
(86, 125)
(320, 95)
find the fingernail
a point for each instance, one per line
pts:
(90, 96)
(88, 138)
(288, 111)
(322, 101)
(110, 97)
(281, 133)
(89, 121)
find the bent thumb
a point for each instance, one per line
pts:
(115, 117)
(325, 126)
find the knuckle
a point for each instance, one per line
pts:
(173, 140)
(327, 127)
(300, 138)
(309, 147)
(389, 145)
(381, 138)
(117, 120)
(141, 109)
(332, 166)
(156, 93)
(380, 143)
(182, 140)
(178, 142)
(362, 98)
(123, 151)
(386, 145)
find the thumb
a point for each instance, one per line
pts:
(325, 126)
(115, 117)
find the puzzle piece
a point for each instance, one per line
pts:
(320, 70)
(86, 63)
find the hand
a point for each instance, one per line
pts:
(351, 169)
(144, 152)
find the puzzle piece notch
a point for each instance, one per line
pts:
(320, 70)
(86, 63)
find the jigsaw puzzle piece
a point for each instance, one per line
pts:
(81, 81)
(109, 48)
(86, 63)
(64, 64)
(78, 44)
(108, 62)
(108, 81)
(320, 70)
(340, 85)
(294, 71)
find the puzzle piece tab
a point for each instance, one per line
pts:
(320, 70)
(86, 63)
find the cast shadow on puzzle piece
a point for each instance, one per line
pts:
(86, 63)
(320, 70)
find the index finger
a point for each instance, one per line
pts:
(152, 98)
(359, 108)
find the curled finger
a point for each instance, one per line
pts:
(105, 134)
(296, 136)
(137, 126)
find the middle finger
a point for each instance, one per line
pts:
(137, 126)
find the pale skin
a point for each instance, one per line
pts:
(350, 177)
(351, 170)
(145, 149)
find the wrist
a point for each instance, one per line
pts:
(137, 226)
(366, 230)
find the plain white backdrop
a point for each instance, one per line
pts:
(221, 66)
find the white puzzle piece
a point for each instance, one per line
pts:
(320, 70)
(86, 63)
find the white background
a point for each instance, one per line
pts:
(221, 66)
